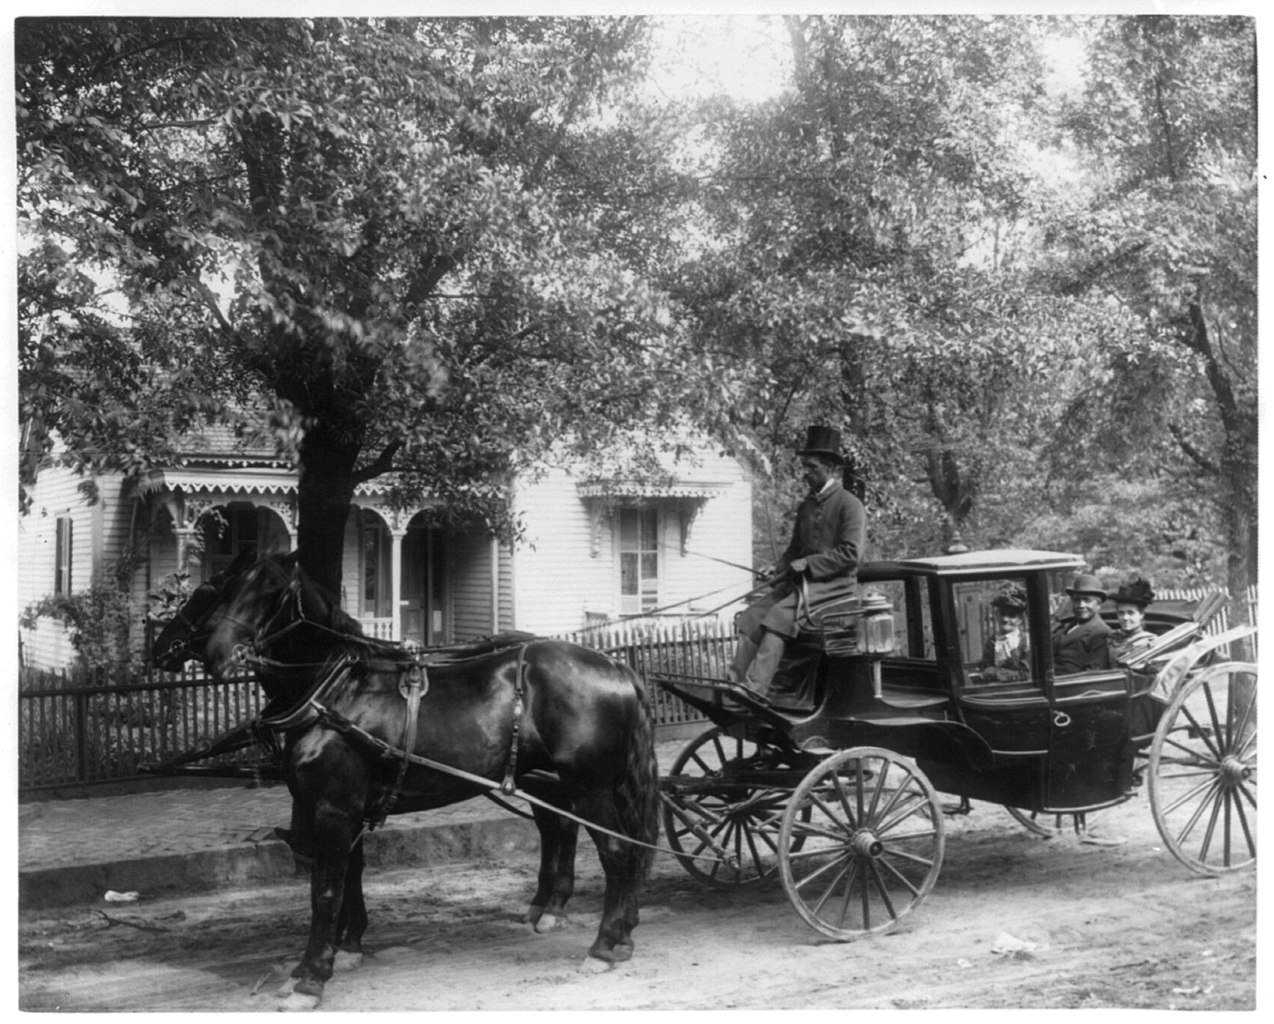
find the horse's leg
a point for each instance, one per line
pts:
(353, 917)
(558, 839)
(629, 807)
(335, 827)
(614, 940)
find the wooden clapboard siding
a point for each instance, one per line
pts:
(55, 494)
(561, 583)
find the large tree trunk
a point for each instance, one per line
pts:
(324, 494)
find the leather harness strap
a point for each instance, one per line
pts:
(508, 786)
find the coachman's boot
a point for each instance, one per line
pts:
(743, 655)
(766, 662)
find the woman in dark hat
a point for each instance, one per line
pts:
(1132, 637)
(1006, 656)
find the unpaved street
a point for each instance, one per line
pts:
(1093, 926)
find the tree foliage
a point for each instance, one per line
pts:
(420, 243)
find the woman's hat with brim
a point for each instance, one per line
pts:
(1086, 583)
(1136, 592)
(824, 441)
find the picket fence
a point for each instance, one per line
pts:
(74, 731)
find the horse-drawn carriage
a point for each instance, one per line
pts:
(839, 797)
(834, 785)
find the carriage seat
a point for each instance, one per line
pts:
(847, 625)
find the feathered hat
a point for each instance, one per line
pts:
(1136, 592)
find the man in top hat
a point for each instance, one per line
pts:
(1081, 641)
(820, 563)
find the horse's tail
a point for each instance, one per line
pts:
(637, 795)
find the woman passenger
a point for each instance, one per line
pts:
(1006, 656)
(1132, 637)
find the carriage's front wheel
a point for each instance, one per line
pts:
(720, 812)
(1203, 770)
(861, 842)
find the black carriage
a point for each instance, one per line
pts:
(833, 784)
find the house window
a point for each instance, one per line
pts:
(62, 567)
(377, 581)
(638, 560)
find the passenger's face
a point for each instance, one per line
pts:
(1085, 606)
(1007, 622)
(1130, 617)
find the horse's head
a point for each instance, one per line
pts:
(254, 606)
(221, 614)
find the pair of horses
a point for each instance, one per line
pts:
(361, 724)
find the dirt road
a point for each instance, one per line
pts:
(1015, 921)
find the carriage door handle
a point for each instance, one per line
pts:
(1061, 719)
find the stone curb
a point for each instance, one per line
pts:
(252, 863)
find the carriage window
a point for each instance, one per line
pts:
(638, 560)
(993, 630)
(913, 621)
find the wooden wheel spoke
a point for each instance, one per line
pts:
(907, 855)
(885, 862)
(1202, 732)
(908, 811)
(830, 814)
(1192, 794)
(878, 880)
(842, 858)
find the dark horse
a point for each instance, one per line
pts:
(356, 717)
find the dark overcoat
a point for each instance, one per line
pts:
(1081, 646)
(830, 532)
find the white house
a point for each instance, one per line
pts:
(594, 549)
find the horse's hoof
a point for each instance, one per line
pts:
(533, 914)
(300, 994)
(549, 923)
(592, 965)
(615, 954)
(347, 960)
(299, 1001)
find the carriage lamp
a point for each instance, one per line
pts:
(876, 627)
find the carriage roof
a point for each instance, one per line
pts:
(971, 563)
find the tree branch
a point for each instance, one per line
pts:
(1193, 453)
(384, 463)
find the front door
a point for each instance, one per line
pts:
(422, 604)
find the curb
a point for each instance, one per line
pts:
(251, 863)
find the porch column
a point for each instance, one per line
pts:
(183, 535)
(396, 583)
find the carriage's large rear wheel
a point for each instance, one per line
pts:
(1203, 770)
(861, 842)
(720, 812)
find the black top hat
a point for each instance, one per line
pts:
(823, 441)
(1136, 592)
(1011, 598)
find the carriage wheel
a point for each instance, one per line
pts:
(738, 818)
(861, 842)
(1203, 770)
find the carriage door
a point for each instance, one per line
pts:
(421, 600)
(1090, 754)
